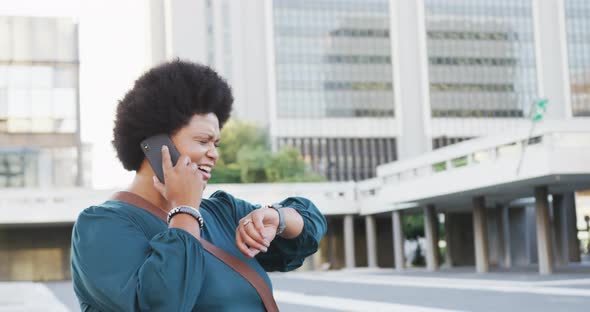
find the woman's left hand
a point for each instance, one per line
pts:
(256, 231)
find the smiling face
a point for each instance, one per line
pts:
(199, 140)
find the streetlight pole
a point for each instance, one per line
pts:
(538, 109)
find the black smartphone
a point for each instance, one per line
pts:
(152, 148)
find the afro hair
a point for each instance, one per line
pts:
(163, 100)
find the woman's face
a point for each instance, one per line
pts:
(199, 140)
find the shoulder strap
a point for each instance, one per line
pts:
(236, 264)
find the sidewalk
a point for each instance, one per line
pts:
(28, 297)
(364, 289)
(521, 273)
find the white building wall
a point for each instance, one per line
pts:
(235, 45)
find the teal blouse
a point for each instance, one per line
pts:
(126, 259)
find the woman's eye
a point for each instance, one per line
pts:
(207, 142)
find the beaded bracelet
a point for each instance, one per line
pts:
(188, 210)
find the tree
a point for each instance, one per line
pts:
(284, 164)
(245, 157)
(235, 135)
(253, 161)
(223, 173)
(413, 225)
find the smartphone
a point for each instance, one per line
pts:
(152, 148)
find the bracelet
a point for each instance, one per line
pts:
(187, 210)
(282, 225)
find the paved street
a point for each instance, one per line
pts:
(375, 290)
(384, 290)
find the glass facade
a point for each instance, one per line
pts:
(17, 168)
(333, 59)
(38, 75)
(344, 159)
(38, 97)
(577, 17)
(481, 58)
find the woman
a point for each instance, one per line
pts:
(126, 258)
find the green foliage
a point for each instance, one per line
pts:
(235, 135)
(440, 166)
(460, 161)
(413, 225)
(285, 165)
(253, 161)
(226, 173)
(245, 157)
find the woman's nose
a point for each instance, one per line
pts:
(213, 153)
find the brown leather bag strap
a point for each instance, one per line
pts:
(236, 264)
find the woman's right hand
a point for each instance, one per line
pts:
(183, 183)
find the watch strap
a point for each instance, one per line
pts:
(282, 225)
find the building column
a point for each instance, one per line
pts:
(559, 239)
(334, 241)
(449, 248)
(349, 242)
(431, 231)
(500, 232)
(317, 261)
(504, 215)
(551, 57)
(371, 229)
(544, 247)
(398, 240)
(410, 77)
(480, 235)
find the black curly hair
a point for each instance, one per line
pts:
(163, 100)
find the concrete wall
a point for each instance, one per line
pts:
(494, 244)
(333, 242)
(332, 246)
(360, 242)
(461, 239)
(35, 254)
(531, 234)
(518, 239)
(384, 242)
(518, 251)
(566, 243)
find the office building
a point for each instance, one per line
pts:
(39, 127)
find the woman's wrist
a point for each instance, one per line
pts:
(189, 203)
(293, 223)
(187, 223)
(186, 210)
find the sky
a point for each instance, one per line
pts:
(113, 53)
